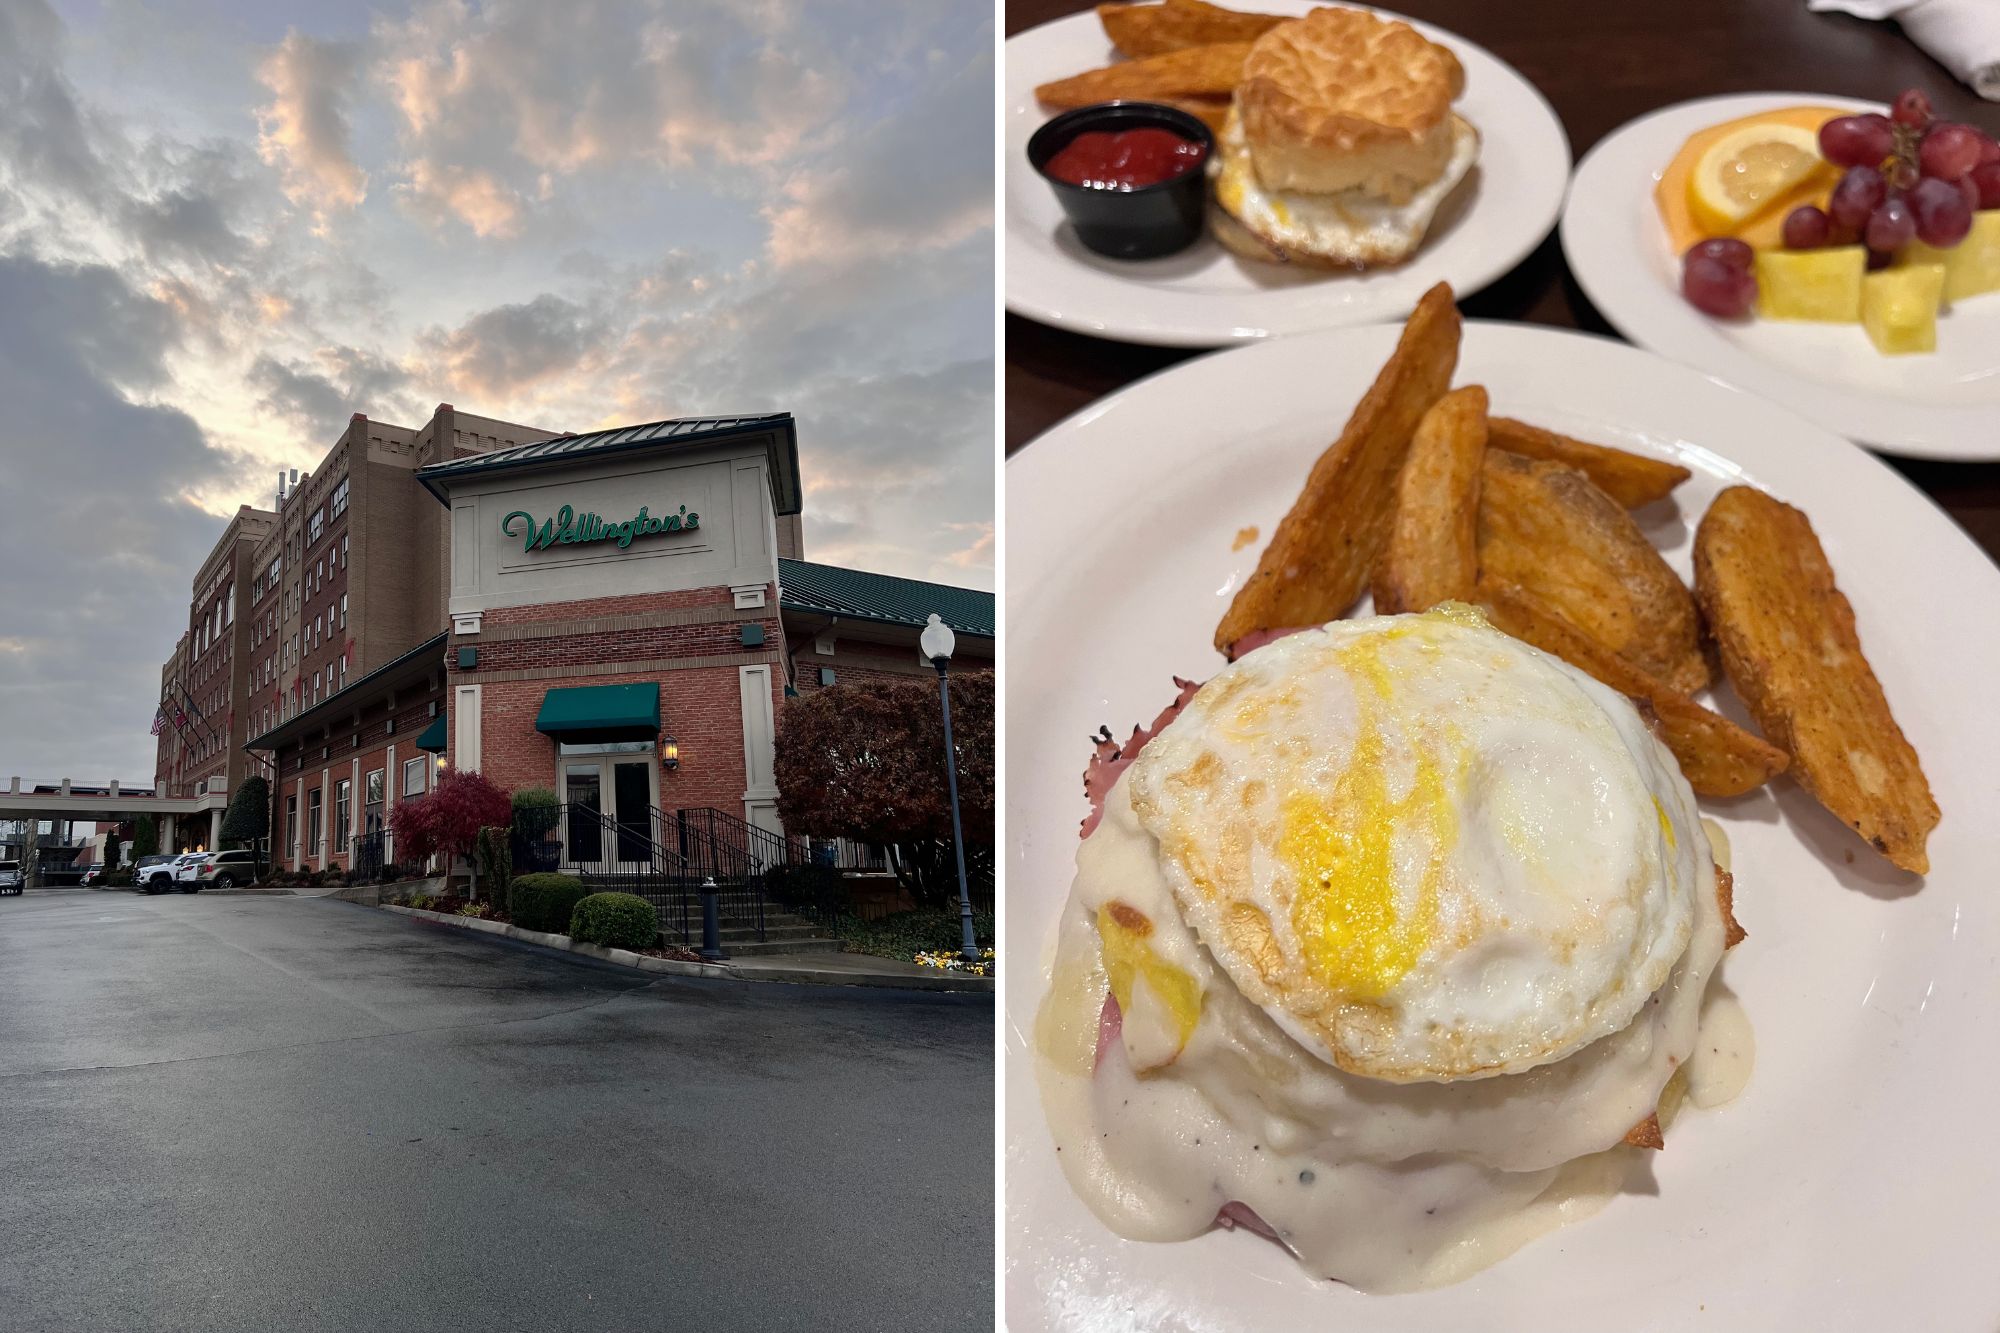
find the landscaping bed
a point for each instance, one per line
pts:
(930, 936)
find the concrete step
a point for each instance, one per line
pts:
(752, 949)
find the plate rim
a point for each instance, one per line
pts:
(1588, 249)
(1188, 336)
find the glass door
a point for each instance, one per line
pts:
(632, 798)
(583, 793)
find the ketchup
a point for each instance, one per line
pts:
(1125, 159)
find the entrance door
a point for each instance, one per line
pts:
(610, 790)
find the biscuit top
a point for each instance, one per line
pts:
(1346, 81)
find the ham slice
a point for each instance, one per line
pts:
(1234, 1215)
(1111, 759)
(1110, 1022)
(1257, 638)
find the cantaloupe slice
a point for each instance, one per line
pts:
(1761, 231)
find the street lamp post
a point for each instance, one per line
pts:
(936, 644)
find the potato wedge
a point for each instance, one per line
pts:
(1433, 551)
(1790, 648)
(1150, 30)
(1197, 71)
(1630, 479)
(1717, 757)
(1325, 548)
(1548, 529)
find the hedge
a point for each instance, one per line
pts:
(543, 902)
(615, 920)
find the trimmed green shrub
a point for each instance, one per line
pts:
(615, 920)
(544, 902)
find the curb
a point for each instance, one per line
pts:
(944, 981)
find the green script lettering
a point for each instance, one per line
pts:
(568, 527)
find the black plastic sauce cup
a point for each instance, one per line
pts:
(1140, 223)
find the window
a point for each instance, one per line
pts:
(413, 777)
(322, 569)
(271, 574)
(292, 824)
(343, 550)
(315, 826)
(343, 610)
(315, 687)
(339, 502)
(316, 525)
(371, 801)
(343, 809)
(229, 605)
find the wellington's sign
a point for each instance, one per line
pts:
(569, 528)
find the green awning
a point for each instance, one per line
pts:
(601, 709)
(433, 737)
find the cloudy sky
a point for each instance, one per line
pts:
(226, 227)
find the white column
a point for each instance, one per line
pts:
(167, 834)
(392, 791)
(760, 789)
(354, 799)
(214, 830)
(466, 729)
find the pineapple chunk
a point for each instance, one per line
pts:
(1899, 308)
(1820, 285)
(1970, 267)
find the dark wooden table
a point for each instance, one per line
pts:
(1600, 65)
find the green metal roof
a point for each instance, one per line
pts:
(676, 433)
(601, 708)
(433, 736)
(830, 590)
(342, 700)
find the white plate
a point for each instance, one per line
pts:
(1944, 405)
(1855, 1180)
(1204, 296)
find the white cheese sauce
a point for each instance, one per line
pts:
(1387, 1187)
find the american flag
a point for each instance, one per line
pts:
(159, 720)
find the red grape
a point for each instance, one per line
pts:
(1949, 150)
(1985, 178)
(1989, 149)
(1725, 249)
(1716, 288)
(1878, 259)
(1856, 141)
(1806, 228)
(1890, 226)
(1859, 193)
(1912, 109)
(1941, 212)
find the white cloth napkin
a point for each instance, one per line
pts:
(1961, 35)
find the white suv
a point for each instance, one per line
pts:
(10, 877)
(162, 874)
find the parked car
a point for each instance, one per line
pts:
(156, 874)
(223, 870)
(93, 874)
(10, 878)
(187, 876)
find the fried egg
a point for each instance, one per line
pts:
(1350, 229)
(1428, 851)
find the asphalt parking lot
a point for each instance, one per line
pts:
(260, 1113)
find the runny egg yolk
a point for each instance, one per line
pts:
(1339, 845)
(1666, 825)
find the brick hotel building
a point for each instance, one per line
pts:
(618, 617)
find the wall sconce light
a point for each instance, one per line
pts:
(670, 753)
(440, 762)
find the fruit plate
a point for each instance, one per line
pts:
(1855, 1172)
(1206, 297)
(1944, 404)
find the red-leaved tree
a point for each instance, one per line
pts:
(866, 762)
(448, 818)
